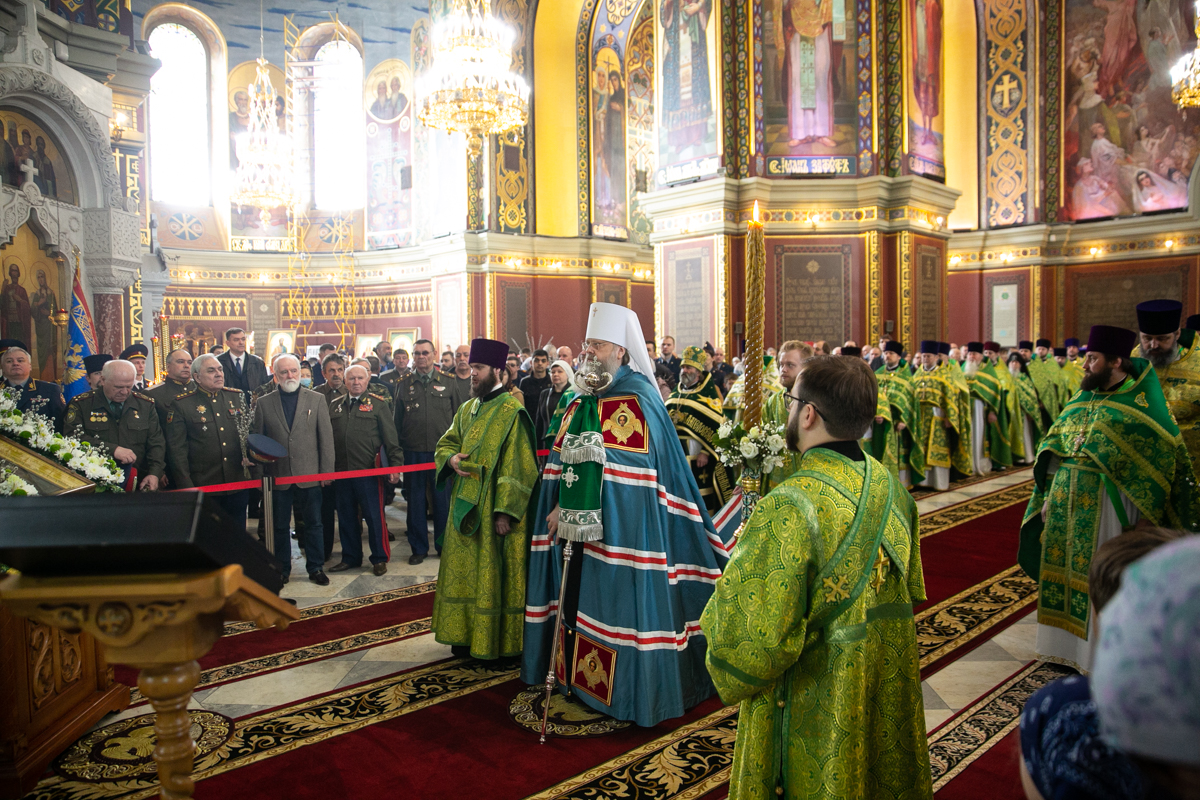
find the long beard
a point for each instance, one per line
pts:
(485, 386)
(1096, 381)
(290, 385)
(1160, 358)
(970, 368)
(1014, 368)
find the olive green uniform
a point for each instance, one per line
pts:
(90, 418)
(203, 444)
(164, 394)
(358, 436)
(425, 409)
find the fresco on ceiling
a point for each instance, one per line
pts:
(387, 102)
(1126, 148)
(25, 144)
(687, 144)
(384, 25)
(811, 117)
(926, 123)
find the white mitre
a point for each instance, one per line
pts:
(612, 323)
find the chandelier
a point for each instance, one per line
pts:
(264, 173)
(1185, 76)
(470, 86)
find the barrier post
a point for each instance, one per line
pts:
(268, 511)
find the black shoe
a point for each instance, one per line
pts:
(380, 568)
(286, 579)
(391, 536)
(342, 567)
(319, 578)
(460, 650)
(416, 558)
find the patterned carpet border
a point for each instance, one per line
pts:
(349, 604)
(961, 741)
(302, 655)
(959, 620)
(319, 719)
(976, 507)
(922, 493)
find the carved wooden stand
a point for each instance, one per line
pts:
(160, 624)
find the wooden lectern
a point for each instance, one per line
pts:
(160, 624)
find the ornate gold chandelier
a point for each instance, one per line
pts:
(264, 173)
(470, 86)
(1185, 77)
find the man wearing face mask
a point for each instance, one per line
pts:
(618, 485)
(1173, 353)
(297, 418)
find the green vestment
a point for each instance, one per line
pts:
(811, 630)
(1047, 387)
(480, 599)
(937, 388)
(986, 385)
(1180, 381)
(894, 448)
(775, 416)
(696, 413)
(1106, 444)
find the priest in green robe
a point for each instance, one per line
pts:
(945, 419)
(792, 355)
(1028, 411)
(895, 436)
(1072, 371)
(811, 627)
(695, 409)
(488, 452)
(989, 413)
(1044, 384)
(1173, 353)
(1114, 457)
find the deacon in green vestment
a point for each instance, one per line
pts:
(895, 435)
(811, 628)
(989, 413)
(1113, 457)
(479, 607)
(1173, 353)
(1044, 382)
(945, 419)
(792, 355)
(695, 409)
(1027, 411)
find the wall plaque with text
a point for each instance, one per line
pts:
(1112, 299)
(688, 286)
(812, 292)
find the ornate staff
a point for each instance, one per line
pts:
(579, 514)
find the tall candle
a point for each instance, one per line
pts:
(756, 276)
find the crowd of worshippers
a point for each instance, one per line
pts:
(810, 597)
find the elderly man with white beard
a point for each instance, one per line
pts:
(989, 413)
(297, 418)
(644, 554)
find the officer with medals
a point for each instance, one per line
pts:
(136, 354)
(92, 365)
(204, 429)
(123, 423)
(362, 424)
(334, 370)
(40, 397)
(177, 383)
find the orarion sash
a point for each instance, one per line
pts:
(583, 457)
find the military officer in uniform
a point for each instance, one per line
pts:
(426, 400)
(136, 355)
(41, 397)
(123, 423)
(93, 365)
(177, 383)
(334, 370)
(362, 424)
(204, 446)
(333, 367)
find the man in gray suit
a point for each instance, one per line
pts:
(297, 418)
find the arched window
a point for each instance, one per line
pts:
(339, 139)
(179, 122)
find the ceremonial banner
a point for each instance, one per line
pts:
(82, 337)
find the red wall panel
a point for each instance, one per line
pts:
(964, 298)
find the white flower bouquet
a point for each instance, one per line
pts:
(13, 486)
(36, 432)
(757, 450)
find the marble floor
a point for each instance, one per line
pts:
(945, 692)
